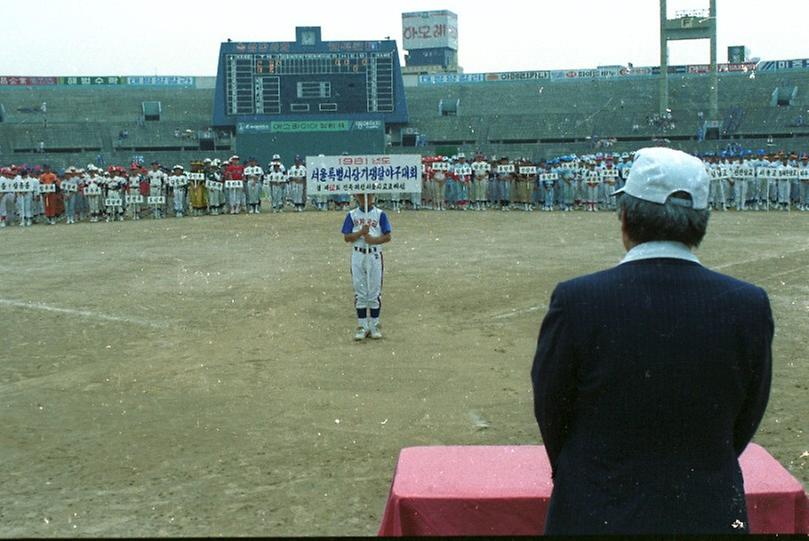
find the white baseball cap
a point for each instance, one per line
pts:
(658, 172)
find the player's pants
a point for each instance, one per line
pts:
(7, 205)
(438, 194)
(592, 194)
(234, 198)
(253, 193)
(296, 192)
(366, 276)
(717, 194)
(25, 206)
(94, 204)
(783, 192)
(548, 199)
(502, 192)
(480, 187)
(740, 188)
(214, 199)
(179, 200)
(277, 195)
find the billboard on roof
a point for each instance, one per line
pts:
(430, 30)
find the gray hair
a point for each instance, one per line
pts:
(674, 220)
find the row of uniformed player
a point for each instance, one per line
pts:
(759, 181)
(210, 187)
(746, 182)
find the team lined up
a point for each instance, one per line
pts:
(745, 181)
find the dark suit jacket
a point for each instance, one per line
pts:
(650, 379)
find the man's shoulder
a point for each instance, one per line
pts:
(690, 275)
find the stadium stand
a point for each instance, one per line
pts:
(534, 119)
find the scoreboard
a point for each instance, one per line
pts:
(309, 79)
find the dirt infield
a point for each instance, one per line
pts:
(197, 377)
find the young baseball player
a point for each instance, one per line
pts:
(367, 228)
(297, 183)
(254, 174)
(7, 197)
(277, 178)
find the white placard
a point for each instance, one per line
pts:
(69, 186)
(47, 188)
(196, 176)
(789, 173)
(608, 174)
(23, 186)
(156, 200)
(765, 172)
(745, 172)
(463, 170)
(505, 169)
(234, 184)
(803, 174)
(178, 182)
(134, 199)
(213, 185)
(528, 170)
(440, 166)
(481, 167)
(547, 177)
(376, 173)
(113, 202)
(5, 186)
(92, 189)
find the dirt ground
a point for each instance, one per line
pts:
(197, 377)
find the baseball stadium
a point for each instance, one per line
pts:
(176, 304)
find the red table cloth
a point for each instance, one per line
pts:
(505, 490)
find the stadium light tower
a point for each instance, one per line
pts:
(695, 24)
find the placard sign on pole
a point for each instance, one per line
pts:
(134, 199)
(92, 189)
(528, 170)
(5, 186)
(196, 176)
(213, 185)
(234, 184)
(803, 174)
(157, 200)
(47, 188)
(608, 173)
(363, 174)
(113, 202)
(69, 186)
(547, 177)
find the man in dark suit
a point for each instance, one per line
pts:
(650, 378)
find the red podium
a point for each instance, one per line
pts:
(504, 490)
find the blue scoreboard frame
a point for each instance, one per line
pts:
(309, 79)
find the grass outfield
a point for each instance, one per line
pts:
(198, 377)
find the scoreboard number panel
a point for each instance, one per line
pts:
(271, 84)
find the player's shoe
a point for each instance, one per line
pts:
(376, 334)
(361, 333)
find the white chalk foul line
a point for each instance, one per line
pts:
(81, 313)
(516, 312)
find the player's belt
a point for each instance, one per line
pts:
(366, 250)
